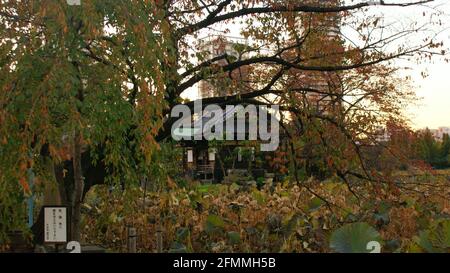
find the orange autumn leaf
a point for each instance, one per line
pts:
(24, 184)
(170, 183)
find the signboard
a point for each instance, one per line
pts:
(55, 225)
(190, 156)
(74, 2)
(212, 154)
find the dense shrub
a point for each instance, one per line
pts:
(282, 218)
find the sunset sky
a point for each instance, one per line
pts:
(433, 110)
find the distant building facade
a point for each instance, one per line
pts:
(324, 39)
(439, 133)
(226, 83)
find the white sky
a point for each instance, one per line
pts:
(433, 110)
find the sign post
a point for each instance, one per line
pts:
(31, 198)
(55, 225)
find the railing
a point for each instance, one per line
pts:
(205, 173)
(205, 168)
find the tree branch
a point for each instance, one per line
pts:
(214, 18)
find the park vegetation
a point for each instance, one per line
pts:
(85, 97)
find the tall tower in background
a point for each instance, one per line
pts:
(323, 46)
(226, 83)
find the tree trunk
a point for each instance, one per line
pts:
(78, 188)
(52, 195)
(222, 166)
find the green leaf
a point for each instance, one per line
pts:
(177, 248)
(234, 237)
(259, 197)
(182, 234)
(382, 214)
(437, 238)
(423, 241)
(315, 204)
(214, 223)
(353, 238)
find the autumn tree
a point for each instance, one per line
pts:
(86, 91)
(81, 87)
(432, 151)
(428, 147)
(444, 151)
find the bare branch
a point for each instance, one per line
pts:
(214, 18)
